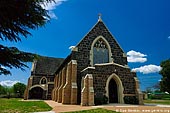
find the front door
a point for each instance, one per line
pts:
(36, 93)
(113, 96)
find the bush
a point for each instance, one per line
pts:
(101, 100)
(159, 96)
(166, 97)
(8, 95)
(155, 96)
(131, 100)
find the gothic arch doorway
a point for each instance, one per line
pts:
(114, 89)
(113, 96)
(36, 93)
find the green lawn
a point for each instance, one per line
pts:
(17, 106)
(165, 102)
(99, 110)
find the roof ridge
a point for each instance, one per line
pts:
(100, 21)
(49, 57)
(89, 31)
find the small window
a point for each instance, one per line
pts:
(43, 81)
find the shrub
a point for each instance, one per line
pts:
(101, 100)
(131, 100)
(159, 96)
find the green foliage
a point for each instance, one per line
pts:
(12, 57)
(99, 110)
(159, 95)
(18, 106)
(165, 72)
(17, 17)
(100, 100)
(10, 91)
(164, 102)
(155, 96)
(2, 90)
(19, 89)
(131, 100)
(7, 92)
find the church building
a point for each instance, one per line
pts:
(95, 72)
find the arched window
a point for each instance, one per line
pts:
(100, 52)
(43, 81)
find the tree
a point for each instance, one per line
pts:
(165, 72)
(9, 91)
(19, 89)
(12, 57)
(2, 90)
(17, 17)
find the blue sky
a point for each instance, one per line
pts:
(141, 27)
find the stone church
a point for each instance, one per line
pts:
(95, 72)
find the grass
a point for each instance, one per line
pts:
(99, 110)
(164, 102)
(14, 105)
(17, 106)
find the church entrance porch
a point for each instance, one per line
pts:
(113, 97)
(37, 93)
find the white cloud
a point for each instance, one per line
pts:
(168, 37)
(133, 56)
(132, 59)
(51, 6)
(136, 54)
(52, 15)
(8, 83)
(147, 69)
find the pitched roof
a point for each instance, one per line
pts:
(102, 30)
(46, 65)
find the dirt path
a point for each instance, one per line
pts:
(123, 108)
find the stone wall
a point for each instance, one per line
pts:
(84, 46)
(87, 93)
(37, 78)
(50, 88)
(102, 72)
(65, 88)
(34, 80)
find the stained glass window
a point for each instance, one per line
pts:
(100, 52)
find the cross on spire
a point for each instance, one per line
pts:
(100, 17)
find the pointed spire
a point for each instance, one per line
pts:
(100, 17)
